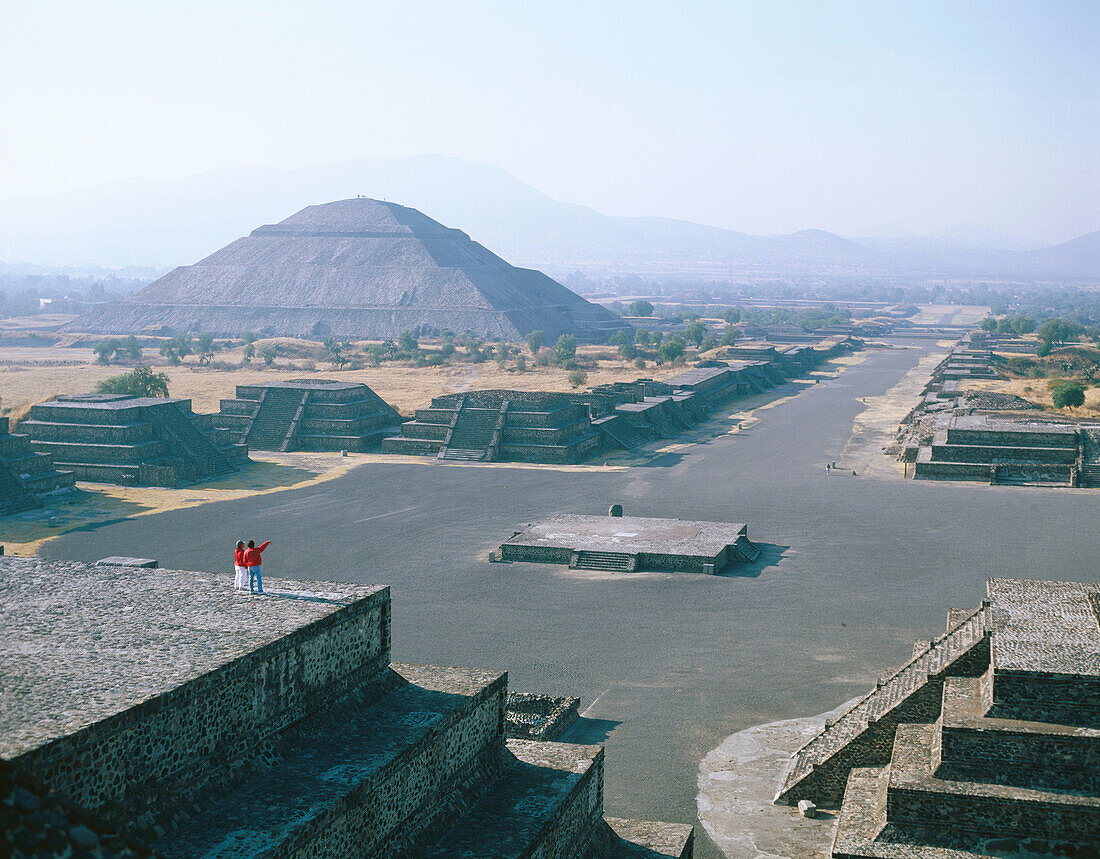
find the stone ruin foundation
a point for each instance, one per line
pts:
(630, 544)
(984, 744)
(179, 718)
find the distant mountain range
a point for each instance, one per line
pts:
(161, 224)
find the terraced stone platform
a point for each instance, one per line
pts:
(1003, 763)
(133, 441)
(631, 544)
(26, 477)
(169, 713)
(307, 414)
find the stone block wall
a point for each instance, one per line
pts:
(174, 738)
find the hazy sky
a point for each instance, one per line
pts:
(763, 117)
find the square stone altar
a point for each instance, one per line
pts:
(632, 544)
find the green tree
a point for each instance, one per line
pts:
(629, 351)
(710, 343)
(622, 337)
(139, 382)
(176, 349)
(1058, 331)
(333, 350)
(521, 362)
(1023, 324)
(269, 352)
(536, 340)
(639, 362)
(248, 337)
(732, 315)
(642, 337)
(565, 349)
(640, 308)
(671, 349)
(695, 331)
(105, 350)
(988, 324)
(204, 347)
(131, 348)
(1068, 395)
(408, 343)
(577, 377)
(249, 353)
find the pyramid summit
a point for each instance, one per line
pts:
(357, 268)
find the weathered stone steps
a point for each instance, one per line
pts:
(549, 802)
(370, 784)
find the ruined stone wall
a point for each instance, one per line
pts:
(178, 736)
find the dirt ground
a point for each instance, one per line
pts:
(30, 375)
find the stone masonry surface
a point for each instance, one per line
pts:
(85, 642)
(1046, 626)
(631, 534)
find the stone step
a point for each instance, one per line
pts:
(548, 802)
(613, 561)
(386, 779)
(1041, 755)
(820, 768)
(463, 455)
(917, 799)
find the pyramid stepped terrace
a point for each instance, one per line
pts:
(357, 268)
(134, 441)
(26, 477)
(225, 724)
(307, 414)
(984, 744)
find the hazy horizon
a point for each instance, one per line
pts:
(760, 118)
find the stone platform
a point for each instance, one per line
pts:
(984, 744)
(161, 711)
(632, 544)
(307, 414)
(133, 441)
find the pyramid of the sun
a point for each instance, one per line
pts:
(357, 268)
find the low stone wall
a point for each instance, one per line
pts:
(1010, 438)
(1059, 698)
(990, 454)
(178, 736)
(951, 471)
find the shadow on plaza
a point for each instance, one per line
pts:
(589, 731)
(770, 556)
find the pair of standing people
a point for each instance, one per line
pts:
(247, 563)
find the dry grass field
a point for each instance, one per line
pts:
(30, 375)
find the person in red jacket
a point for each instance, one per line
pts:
(238, 566)
(252, 561)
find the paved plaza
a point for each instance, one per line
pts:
(852, 571)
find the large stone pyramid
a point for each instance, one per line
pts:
(355, 268)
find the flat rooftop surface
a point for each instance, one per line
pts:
(308, 384)
(110, 402)
(631, 535)
(82, 642)
(1051, 627)
(981, 422)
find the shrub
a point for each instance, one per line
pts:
(1068, 395)
(139, 382)
(565, 348)
(521, 363)
(695, 332)
(639, 362)
(269, 352)
(536, 340)
(542, 358)
(577, 377)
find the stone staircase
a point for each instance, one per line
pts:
(860, 737)
(14, 498)
(616, 562)
(471, 437)
(744, 550)
(187, 438)
(25, 475)
(271, 427)
(619, 431)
